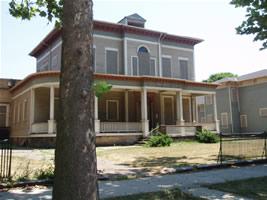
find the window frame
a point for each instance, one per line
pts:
(136, 66)
(246, 121)
(111, 49)
(225, 125)
(7, 113)
(107, 109)
(155, 60)
(168, 57)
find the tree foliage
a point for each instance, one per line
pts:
(101, 87)
(219, 76)
(256, 19)
(26, 9)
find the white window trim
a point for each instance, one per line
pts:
(225, 125)
(155, 59)
(163, 97)
(7, 113)
(260, 112)
(246, 121)
(112, 49)
(143, 45)
(169, 57)
(107, 110)
(136, 66)
(183, 58)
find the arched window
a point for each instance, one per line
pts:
(144, 61)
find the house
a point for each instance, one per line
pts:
(242, 103)
(153, 83)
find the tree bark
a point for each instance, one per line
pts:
(75, 157)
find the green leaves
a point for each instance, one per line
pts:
(256, 19)
(219, 76)
(101, 87)
(26, 9)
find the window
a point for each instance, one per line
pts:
(134, 66)
(43, 66)
(112, 107)
(112, 64)
(263, 112)
(54, 62)
(18, 112)
(3, 115)
(94, 61)
(183, 63)
(14, 113)
(152, 67)
(166, 67)
(210, 118)
(144, 61)
(224, 120)
(243, 121)
(25, 109)
(208, 99)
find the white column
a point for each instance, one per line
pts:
(51, 120)
(32, 107)
(97, 121)
(194, 108)
(179, 109)
(126, 106)
(217, 122)
(145, 124)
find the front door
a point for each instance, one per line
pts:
(168, 110)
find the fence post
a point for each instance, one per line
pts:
(265, 144)
(220, 150)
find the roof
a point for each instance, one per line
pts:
(135, 17)
(116, 77)
(253, 75)
(117, 28)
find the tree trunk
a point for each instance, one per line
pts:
(75, 159)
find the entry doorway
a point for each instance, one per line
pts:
(168, 110)
(187, 109)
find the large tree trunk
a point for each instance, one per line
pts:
(75, 173)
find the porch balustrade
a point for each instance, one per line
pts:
(112, 127)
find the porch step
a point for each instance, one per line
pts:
(142, 141)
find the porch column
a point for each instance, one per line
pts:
(126, 106)
(145, 124)
(217, 122)
(32, 107)
(179, 108)
(51, 120)
(194, 108)
(97, 121)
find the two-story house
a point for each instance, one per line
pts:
(152, 75)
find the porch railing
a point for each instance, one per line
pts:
(112, 127)
(180, 130)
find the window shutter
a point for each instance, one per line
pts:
(166, 67)
(184, 69)
(134, 66)
(224, 120)
(152, 67)
(243, 121)
(112, 61)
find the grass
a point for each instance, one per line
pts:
(172, 194)
(253, 188)
(182, 153)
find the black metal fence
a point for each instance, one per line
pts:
(240, 147)
(5, 156)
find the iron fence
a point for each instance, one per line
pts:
(242, 147)
(6, 156)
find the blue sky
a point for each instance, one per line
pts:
(214, 21)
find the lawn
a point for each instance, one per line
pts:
(254, 188)
(173, 194)
(154, 160)
(125, 161)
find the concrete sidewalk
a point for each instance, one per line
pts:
(189, 182)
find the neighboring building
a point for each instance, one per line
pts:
(152, 74)
(242, 103)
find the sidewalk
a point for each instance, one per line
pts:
(190, 182)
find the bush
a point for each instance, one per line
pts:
(159, 140)
(47, 173)
(206, 136)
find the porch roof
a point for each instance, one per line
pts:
(140, 80)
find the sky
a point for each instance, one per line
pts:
(213, 21)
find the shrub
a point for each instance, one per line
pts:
(45, 173)
(206, 136)
(159, 140)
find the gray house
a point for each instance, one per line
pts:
(242, 103)
(153, 79)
